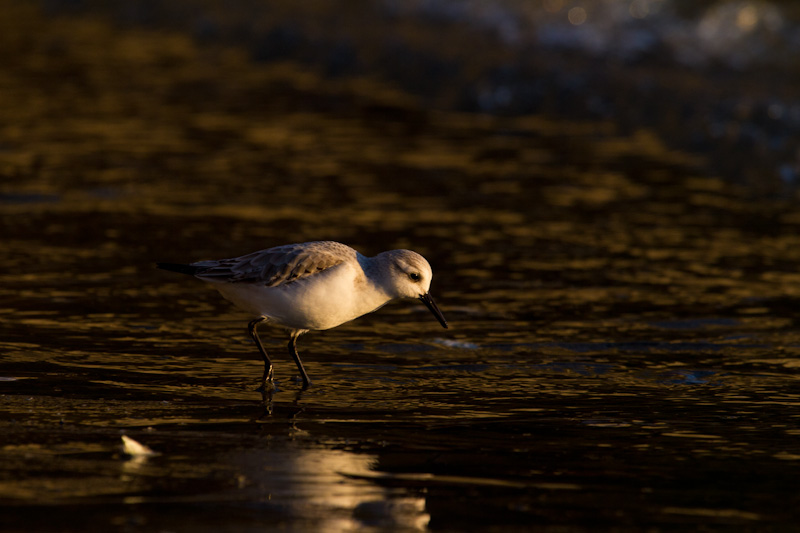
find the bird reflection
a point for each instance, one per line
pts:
(266, 402)
(267, 406)
(332, 489)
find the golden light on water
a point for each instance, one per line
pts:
(617, 310)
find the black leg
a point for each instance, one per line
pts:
(293, 352)
(251, 327)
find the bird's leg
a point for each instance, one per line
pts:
(293, 352)
(267, 378)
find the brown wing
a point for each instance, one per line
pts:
(279, 265)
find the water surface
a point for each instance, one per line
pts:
(623, 348)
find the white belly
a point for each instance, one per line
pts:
(322, 301)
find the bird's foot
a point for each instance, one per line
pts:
(266, 404)
(267, 387)
(305, 381)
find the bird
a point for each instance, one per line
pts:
(313, 286)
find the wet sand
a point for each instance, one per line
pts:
(623, 344)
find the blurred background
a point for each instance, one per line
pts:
(714, 78)
(607, 193)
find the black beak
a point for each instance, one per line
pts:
(430, 304)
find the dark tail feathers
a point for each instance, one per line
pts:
(178, 267)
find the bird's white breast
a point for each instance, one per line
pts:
(322, 301)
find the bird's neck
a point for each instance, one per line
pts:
(378, 276)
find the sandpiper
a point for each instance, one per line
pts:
(313, 286)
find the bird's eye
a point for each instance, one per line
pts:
(414, 276)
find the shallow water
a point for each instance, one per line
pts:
(623, 348)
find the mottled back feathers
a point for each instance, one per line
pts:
(277, 266)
